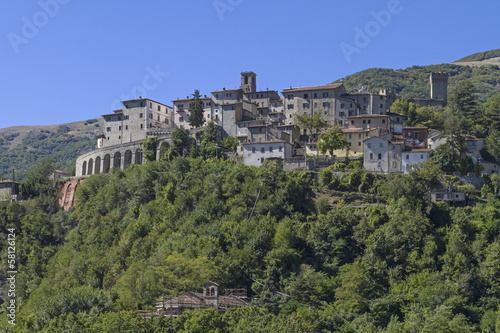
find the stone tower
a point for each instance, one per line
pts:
(211, 294)
(439, 86)
(249, 82)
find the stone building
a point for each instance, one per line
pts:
(372, 103)
(9, 190)
(308, 100)
(416, 137)
(132, 122)
(371, 121)
(181, 111)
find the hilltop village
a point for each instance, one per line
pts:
(264, 124)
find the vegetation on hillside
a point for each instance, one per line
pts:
(414, 81)
(400, 264)
(481, 56)
(61, 145)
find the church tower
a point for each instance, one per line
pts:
(249, 82)
(439, 86)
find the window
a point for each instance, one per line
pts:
(381, 145)
(290, 97)
(350, 136)
(126, 127)
(421, 157)
(393, 155)
(326, 113)
(409, 133)
(306, 96)
(352, 122)
(142, 104)
(364, 121)
(326, 104)
(126, 117)
(216, 95)
(140, 115)
(271, 149)
(381, 105)
(280, 149)
(393, 147)
(342, 114)
(315, 95)
(383, 121)
(369, 121)
(208, 116)
(371, 156)
(369, 145)
(142, 126)
(158, 118)
(253, 150)
(290, 106)
(159, 108)
(181, 106)
(315, 104)
(119, 137)
(262, 150)
(379, 156)
(151, 105)
(397, 119)
(108, 129)
(181, 118)
(119, 128)
(359, 144)
(393, 164)
(359, 136)
(364, 99)
(150, 116)
(325, 94)
(342, 105)
(407, 156)
(350, 105)
(305, 106)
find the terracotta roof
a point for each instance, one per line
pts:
(9, 182)
(352, 130)
(262, 142)
(369, 116)
(190, 99)
(145, 99)
(414, 128)
(217, 91)
(323, 87)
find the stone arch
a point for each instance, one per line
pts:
(128, 159)
(97, 165)
(90, 167)
(138, 156)
(84, 168)
(117, 160)
(164, 147)
(107, 163)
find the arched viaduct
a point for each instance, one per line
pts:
(120, 156)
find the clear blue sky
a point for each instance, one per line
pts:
(76, 60)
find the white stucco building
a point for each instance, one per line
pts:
(254, 153)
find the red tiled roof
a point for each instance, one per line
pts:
(323, 87)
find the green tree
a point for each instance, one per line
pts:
(180, 141)
(150, 145)
(331, 140)
(196, 118)
(37, 182)
(463, 102)
(312, 123)
(407, 108)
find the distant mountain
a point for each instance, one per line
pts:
(414, 81)
(480, 56)
(22, 147)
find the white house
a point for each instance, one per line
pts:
(413, 157)
(254, 153)
(375, 154)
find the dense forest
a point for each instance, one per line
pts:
(327, 252)
(414, 81)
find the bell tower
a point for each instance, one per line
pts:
(249, 82)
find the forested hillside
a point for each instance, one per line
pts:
(414, 81)
(480, 56)
(361, 251)
(23, 147)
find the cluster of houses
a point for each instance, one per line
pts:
(263, 122)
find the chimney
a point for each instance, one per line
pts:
(223, 88)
